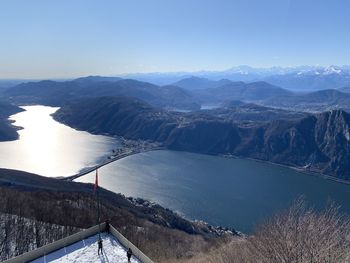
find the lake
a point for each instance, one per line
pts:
(230, 192)
(49, 148)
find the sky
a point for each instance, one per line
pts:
(71, 38)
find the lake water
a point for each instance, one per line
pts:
(49, 148)
(230, 192)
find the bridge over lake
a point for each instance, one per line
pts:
(116, 157)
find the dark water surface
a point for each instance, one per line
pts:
(230, 192)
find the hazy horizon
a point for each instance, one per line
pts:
(184, 73)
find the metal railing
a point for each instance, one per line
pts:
(127, 244)
(64, 242)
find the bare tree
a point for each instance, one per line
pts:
(297, 235)
(301, 234)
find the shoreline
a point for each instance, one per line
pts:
(86, 170)
(216, 155)
(301, 171)
(295, 168)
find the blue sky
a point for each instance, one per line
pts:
(70, 38)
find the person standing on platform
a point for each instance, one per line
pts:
(99, 246)
(129, 254)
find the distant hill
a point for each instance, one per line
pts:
(314, 101)
(55, 93)
(238, 111)
(7, 131)
(92, 79)
(7, 83)
(319, 143)
(194, 83)
(255, 91)
(345, 89)
(328, 95)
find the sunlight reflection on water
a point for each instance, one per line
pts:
(49, 148)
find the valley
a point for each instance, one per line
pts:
(315, 143)
(178, 180)
(256, 139)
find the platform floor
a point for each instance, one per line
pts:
(86, 251)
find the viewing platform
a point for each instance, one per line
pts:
(83, 247)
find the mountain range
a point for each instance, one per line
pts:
(301, 78)
(187, 94)
(313, 142)
(55, 93)
(254, 91)
(255, 119)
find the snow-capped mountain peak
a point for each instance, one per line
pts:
(317, 70)
(332, 70)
